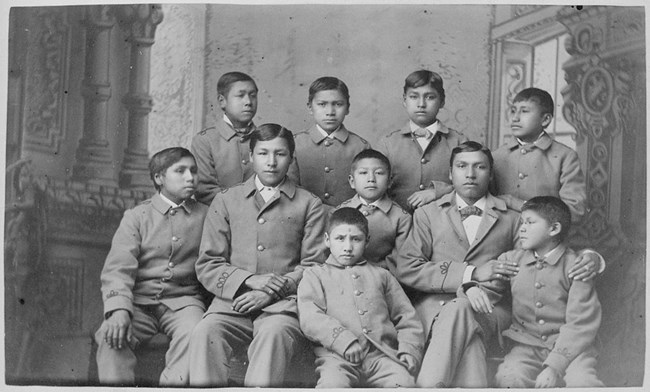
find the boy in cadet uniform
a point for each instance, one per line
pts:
(148, 281)
(221, 151)
(419, 151)
(365, 328)
(258, 238)
(388, 223)
(324, 151)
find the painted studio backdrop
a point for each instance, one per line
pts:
(93, 91)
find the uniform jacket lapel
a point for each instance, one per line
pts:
(490, 218)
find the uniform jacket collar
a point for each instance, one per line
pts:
(332, 261)
(553, 259)
(226, 131)
(384, 204)
(341, 134)
(287, 187)
(543, 142)
(406, 129)
(163, 207)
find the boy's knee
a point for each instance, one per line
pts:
(507, 377)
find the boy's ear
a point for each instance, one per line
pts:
(556, 228)
(351, 180)
(222, 101)
(327, 240)
(546, 120)
(158, 178)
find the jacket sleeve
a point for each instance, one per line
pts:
(121, 265)
(404, 225)
(573, 189)
(208, 186)
(410, 333)
(315, 323)
(213, 267)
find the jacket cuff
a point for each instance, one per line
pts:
(118, 302)
(415, 350)
(343, 341)
(558, 362)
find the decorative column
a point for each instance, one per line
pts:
(94, 160)
(142, 20)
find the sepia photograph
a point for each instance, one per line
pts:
(329, 194)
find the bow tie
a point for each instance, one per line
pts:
(243, 133)
(422, 132)
(470, 210)
(367, 209)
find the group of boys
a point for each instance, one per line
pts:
(395, 265)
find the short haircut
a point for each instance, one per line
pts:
(552, 209)
(164, 159)
(348, 216)
(229, 78)
(471, 146)
(424, 77)
(266, 132)
(539, 96)
(328, 83)
(370, 154)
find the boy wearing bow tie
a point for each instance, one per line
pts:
(389, 224)
(221, 151)
(420, 150)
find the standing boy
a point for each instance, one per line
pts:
(420, 150)
(388, 223)
(532, 163)
(366, 330)
(258, 238)
(221, 151)
(148, 281)
(324, 151)
(554, 318)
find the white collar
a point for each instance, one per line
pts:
(480, 203)
(549, 253)
(166, 200)
(260, 186)
(227, 121)
(322, 131)
(433, 128)
(523, 143)
(374, 203)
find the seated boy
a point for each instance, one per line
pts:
(554, 318)
(257, 239)
(388, 223)
(366, 330)
(149, 284)
(221, 151)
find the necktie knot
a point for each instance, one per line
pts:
(422, 132)
(470, 210)
(243, 133)
(367, 209)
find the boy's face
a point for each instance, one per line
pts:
(422, 105)
(536, 233)
(271, 160)
(240, 104)
(470, 175)
(346, 243)
(527, 120)
(179, 181)
(329, 108)
(370, 179)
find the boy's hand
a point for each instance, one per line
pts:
(270, 284)
(548, 378)
(117, 328)
(479, 300)
(354, 353)
(586, 266)
(409, 361)
(495, 269)
(251, 301)
(420, 198)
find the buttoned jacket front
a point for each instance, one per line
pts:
(222, 160)
(340, 304)
(432, 261)
(545, 168)
(413, 169)
(388, 225)
(243, 236)
(322, 164)
(152, 257)
(551, 310)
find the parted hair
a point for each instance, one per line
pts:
(425, 77)
(471, 146)
(163, 159)
(328, 83)
(348, 216)
(539, 96)
(266, 132)
(369, 153)
(226, 81)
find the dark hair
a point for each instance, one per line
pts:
(229, 78)
(552, 209)
(370, 154)
(539, 96)
(348, 216)
(328, 83)
(471, 146)
(266, 132)
(164, 159)
(424, 77)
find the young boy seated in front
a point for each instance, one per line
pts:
(420, 150)
(365, 330)
(324, 151)
(388, 223)
(149, 284)
(221, 151)
(554, 318)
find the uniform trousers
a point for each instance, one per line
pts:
(272, 341)
(524, 363)
(376, 370)
(459, 341)
(117, 366)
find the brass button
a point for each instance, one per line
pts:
(357, 292)
(522, 176)
(366, 213)
(261, 221)
(172, 212)
(538, 285)
(421, 187)
(544, 337)
(423, 160)
(171, 264)
(243, 161)
(523, 151)
(538, 304)
(260, 248)
(365, 330)
(327, 169)
(541, 322)
(355, 276)
(326, 195)
(539, 266)
(174, 238)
